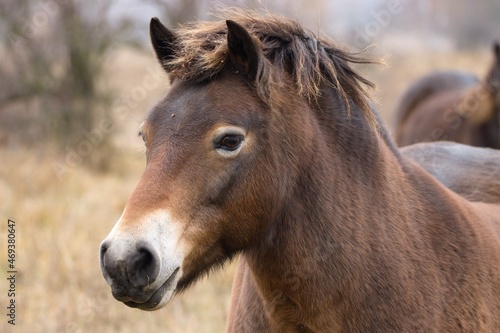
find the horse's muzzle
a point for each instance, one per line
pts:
(135, 273)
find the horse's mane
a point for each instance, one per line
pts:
(201, 52)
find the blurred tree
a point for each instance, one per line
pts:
(52, 63)
(467, 24)
(173, 12)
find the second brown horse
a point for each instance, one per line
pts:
(452, 106)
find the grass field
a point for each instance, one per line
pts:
(61, 222)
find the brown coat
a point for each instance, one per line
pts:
(265, 146)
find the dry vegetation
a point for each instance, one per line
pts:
(60, 224)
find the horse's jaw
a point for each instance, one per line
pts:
(161, 296)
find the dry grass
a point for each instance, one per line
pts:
(60, 224)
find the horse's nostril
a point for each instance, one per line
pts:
(135, 266)
(104, 248)
(104, 264)
(102, 253)
(143, 267)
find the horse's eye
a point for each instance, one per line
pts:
(141, 134)
(230, 142)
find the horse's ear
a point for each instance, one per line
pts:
(496, 49)
(163, 41)
(243, 51)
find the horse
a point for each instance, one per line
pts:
(267, 147)
(452, 106)
(466, 170)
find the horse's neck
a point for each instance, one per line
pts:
(341, 216)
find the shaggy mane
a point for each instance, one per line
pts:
(288, 49)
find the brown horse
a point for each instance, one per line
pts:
(266, 146)
(452, 106)
(469, 171)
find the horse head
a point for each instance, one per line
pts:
(218, 168)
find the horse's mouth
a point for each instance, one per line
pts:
(160, 297)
